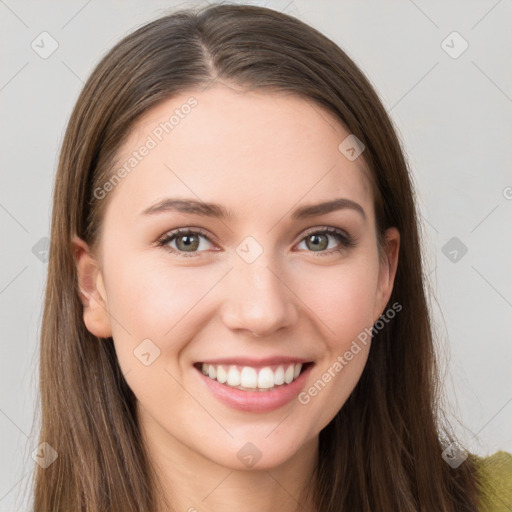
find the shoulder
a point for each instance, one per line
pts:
(495, 473)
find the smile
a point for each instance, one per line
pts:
(252, 397)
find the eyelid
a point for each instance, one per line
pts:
(187, 229)
(324, 229)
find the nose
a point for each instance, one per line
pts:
(259, 299)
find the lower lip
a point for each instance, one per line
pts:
(256, 401)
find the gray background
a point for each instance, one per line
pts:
(453, 116)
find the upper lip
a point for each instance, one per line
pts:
(249, 361)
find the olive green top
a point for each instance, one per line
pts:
(496, 473)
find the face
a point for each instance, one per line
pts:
(254, 283)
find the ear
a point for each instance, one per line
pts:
(387, 271)
(92, 290)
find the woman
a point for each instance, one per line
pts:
(235, 313)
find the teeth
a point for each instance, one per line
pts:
(266, 378)
(222, 376)
(250, 378)
(279, 376)
(233, 377)
(288, 374)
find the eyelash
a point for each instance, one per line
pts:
(346, 241)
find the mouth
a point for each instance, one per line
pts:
(254, 378)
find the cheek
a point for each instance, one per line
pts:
(341, 298)
(333, 382)
(150, 298)
(147, 301)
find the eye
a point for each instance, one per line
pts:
(318, 241)
(187, 242)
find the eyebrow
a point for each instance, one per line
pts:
(192, 206)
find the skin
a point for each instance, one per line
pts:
(260, 155)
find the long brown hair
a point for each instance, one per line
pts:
(382, 451)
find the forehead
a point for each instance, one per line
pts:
(241, 149)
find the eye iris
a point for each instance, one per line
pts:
(316, 246)
(191, 242)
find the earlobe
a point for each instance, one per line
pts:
(388, 269)
(92, 290)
